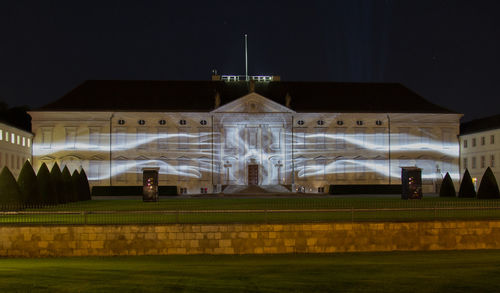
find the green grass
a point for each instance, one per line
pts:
(454, 271)
(257, 210)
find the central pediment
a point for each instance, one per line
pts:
(253, 103)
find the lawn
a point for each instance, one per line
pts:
(453, 271)
(256, 210)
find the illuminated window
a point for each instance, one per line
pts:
(379, 139)
(121, 122)
(300, 139)
(473, 163)
(252, 139)
(492, 139)
(300, 122)
(18, 139)
(29, 142)
(204, 138)
(320, 138)
(203, 122)
(1, 134)
(492, 161)
(230, 139)
(142, 141)
(70, 137)
(162, 138)
(465, 143)
(340, 122)
(473, 142)
(483, 140)
(359, 122)
(183, 139)
(359, 137)
(6, 136)
(483, 161)
(12, 138)
(162, 122)
(320, 122)
(378, 122)
(24, 141)
(46, 138)
(340, 138)
(465, 163)
(141, 122)
(275, 138)
(182, 122)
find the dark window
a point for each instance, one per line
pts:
(340, 122)
(378, 122)
(483, 140)
(141, 122)
(162, 122)
(465, 143)
(182, 122)
(203, 122)
(359, 122)
(121, 121)
(320, 122)
(300, 122)
(492, 139)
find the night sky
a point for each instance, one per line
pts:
(447, 51)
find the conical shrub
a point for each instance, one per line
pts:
(447, 187)
(466, 186)
(75, 178)
(10, 196)
(68, 189)
(28, 185)
(57, 183)
(84, 186)
(488, 187)
(47, 195)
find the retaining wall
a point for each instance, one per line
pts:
(107, 240)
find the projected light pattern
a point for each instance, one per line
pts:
(326, 156)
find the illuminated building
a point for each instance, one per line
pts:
(479, 147)
(15, 148)
(275, 134)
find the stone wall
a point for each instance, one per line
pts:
(39, 241)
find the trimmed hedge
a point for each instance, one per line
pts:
(366, 189)
(447, 187)
(28, 185)
(45, 188)
(466, 186)
(84, 186)
(68, 188)
(57, 183)
(129, 190)
(488, 187)
(10, 196)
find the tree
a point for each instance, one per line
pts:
(447, 187)
(45, 189)
(10, 196)
(84, 185)
(68, 188)
(466, 186)
(57, 183)
(488, 187)
(75, 178)
(28, 185)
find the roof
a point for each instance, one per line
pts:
(198, 96)
(482, 124)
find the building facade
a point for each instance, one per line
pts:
(480, 148)
(206, 135)
(15, 148)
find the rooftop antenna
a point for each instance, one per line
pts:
(246, 59)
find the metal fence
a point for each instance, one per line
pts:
(248, 211)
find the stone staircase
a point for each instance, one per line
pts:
(255, 189)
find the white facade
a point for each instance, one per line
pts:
(248, 137)
(478, 151)
(15, 148)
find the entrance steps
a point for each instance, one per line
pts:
(255, 189)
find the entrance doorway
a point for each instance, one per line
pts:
(253, 174)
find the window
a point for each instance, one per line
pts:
(492, 139)
(94, 137)
(182, 122)
(403, 137)
(340, 122)
(300, 139)
(183, 139)
(473, 142)
(425, 137)
(446, 135)
(465, 143)
(29, 142)
(119, 137)
(320, 138)
(46, 138)
(24, 141)
(483, 161)
(340, 169)
(300, 122)
(379, 140)
(142, 140)
(359, 122)
(340, 139)
(360, 169)
(162, 122)
(162, 138)
(203, 122)
(18, 139)
(12, 138)
(70, 137)
(1, 134)
(204, 138)
(276, 138)
(473, 162)
(359, 137)
(483, 140)
(320, 122)
(378, 122)
(141, 122)
(492, 161)
(465, 163)
(230, 137)
(320, 168)
(121, 122)
(252, 138)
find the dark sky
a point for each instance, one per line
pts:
(447, 51)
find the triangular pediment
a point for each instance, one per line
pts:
(253, 103)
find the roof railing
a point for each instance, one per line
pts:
(259, 78)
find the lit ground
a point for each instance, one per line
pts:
(454, 271)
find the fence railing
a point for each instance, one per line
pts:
(190, 211)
